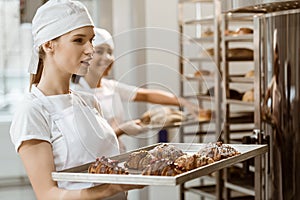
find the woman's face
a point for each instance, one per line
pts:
(74, 50)
(102, 60)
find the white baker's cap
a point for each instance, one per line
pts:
(53, 19)
(102, 36)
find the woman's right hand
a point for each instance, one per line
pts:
(108, 190)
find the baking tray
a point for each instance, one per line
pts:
(79, 174)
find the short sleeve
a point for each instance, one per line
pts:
(29, 122)
(126, 92)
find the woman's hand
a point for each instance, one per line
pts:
(132, 127)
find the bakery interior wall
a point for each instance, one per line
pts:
(147, 46)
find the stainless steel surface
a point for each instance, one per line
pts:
(79, 174)
(245, 5)
(277, 45)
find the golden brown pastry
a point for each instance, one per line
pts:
(244, 30)
(205, 114)
(202, 160)
(240, 53)
(166, 151)
(162, 167)
(248, 96)
(235, 53)
(186, 162)
(162, 116)
(199, 73)
(105, 165)
(249, 74)
(217, 151)
(207, 33)
(138, 160)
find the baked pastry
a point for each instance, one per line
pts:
(105, 165)
(244, 30)
(235, 53)
(239, 31)
(186, 162)
(162, 167)
(166, 151)
(207, 33)
(189, 162)
(199, 73)
(162, 116)
(229, 32)
(249, 74)
(240, 53)
(202, 160)
(248, 96)
(205, 114)
(139, 160)
(217, 151)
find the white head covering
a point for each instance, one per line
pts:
(53, 19)
(102, 36)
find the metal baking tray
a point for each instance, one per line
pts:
(79, 174)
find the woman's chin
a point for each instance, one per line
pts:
(83, 70)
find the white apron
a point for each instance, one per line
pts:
(80, 137)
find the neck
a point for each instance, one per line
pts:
(93, 79)
(54, 82)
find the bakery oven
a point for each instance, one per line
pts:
(277, 61)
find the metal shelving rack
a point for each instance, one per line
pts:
(254, 170)
(203, 190)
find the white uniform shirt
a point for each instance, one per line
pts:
(72, 144)
(111, 96)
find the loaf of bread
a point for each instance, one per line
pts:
(199, 73)
(248, 96)
(205, 114)
(240, 53)
(235, 53)
(249, 74)
(244, 30)
(207, 33)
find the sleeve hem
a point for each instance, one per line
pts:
(30, 137)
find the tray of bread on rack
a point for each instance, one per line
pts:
(166, 117)
(167, 164)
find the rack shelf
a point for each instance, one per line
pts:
(203, 21)
(239, 38)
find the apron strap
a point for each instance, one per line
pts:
(47, 104)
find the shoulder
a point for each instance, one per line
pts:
(87, 97)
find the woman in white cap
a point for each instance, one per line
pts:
(112, 93)
(56, 128)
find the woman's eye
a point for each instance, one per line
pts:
(100, 52)
(79, 40)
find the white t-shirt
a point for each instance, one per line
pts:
(111, 96)
(33, 120)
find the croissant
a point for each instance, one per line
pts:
(138, 160)
(105, 165)
(166, 151)
(217, 151)
(162, 167)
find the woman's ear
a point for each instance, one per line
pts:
(48, 47)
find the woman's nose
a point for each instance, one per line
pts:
(108, 56)
(90, 49)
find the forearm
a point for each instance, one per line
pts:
(157, 97)
(97, 192)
